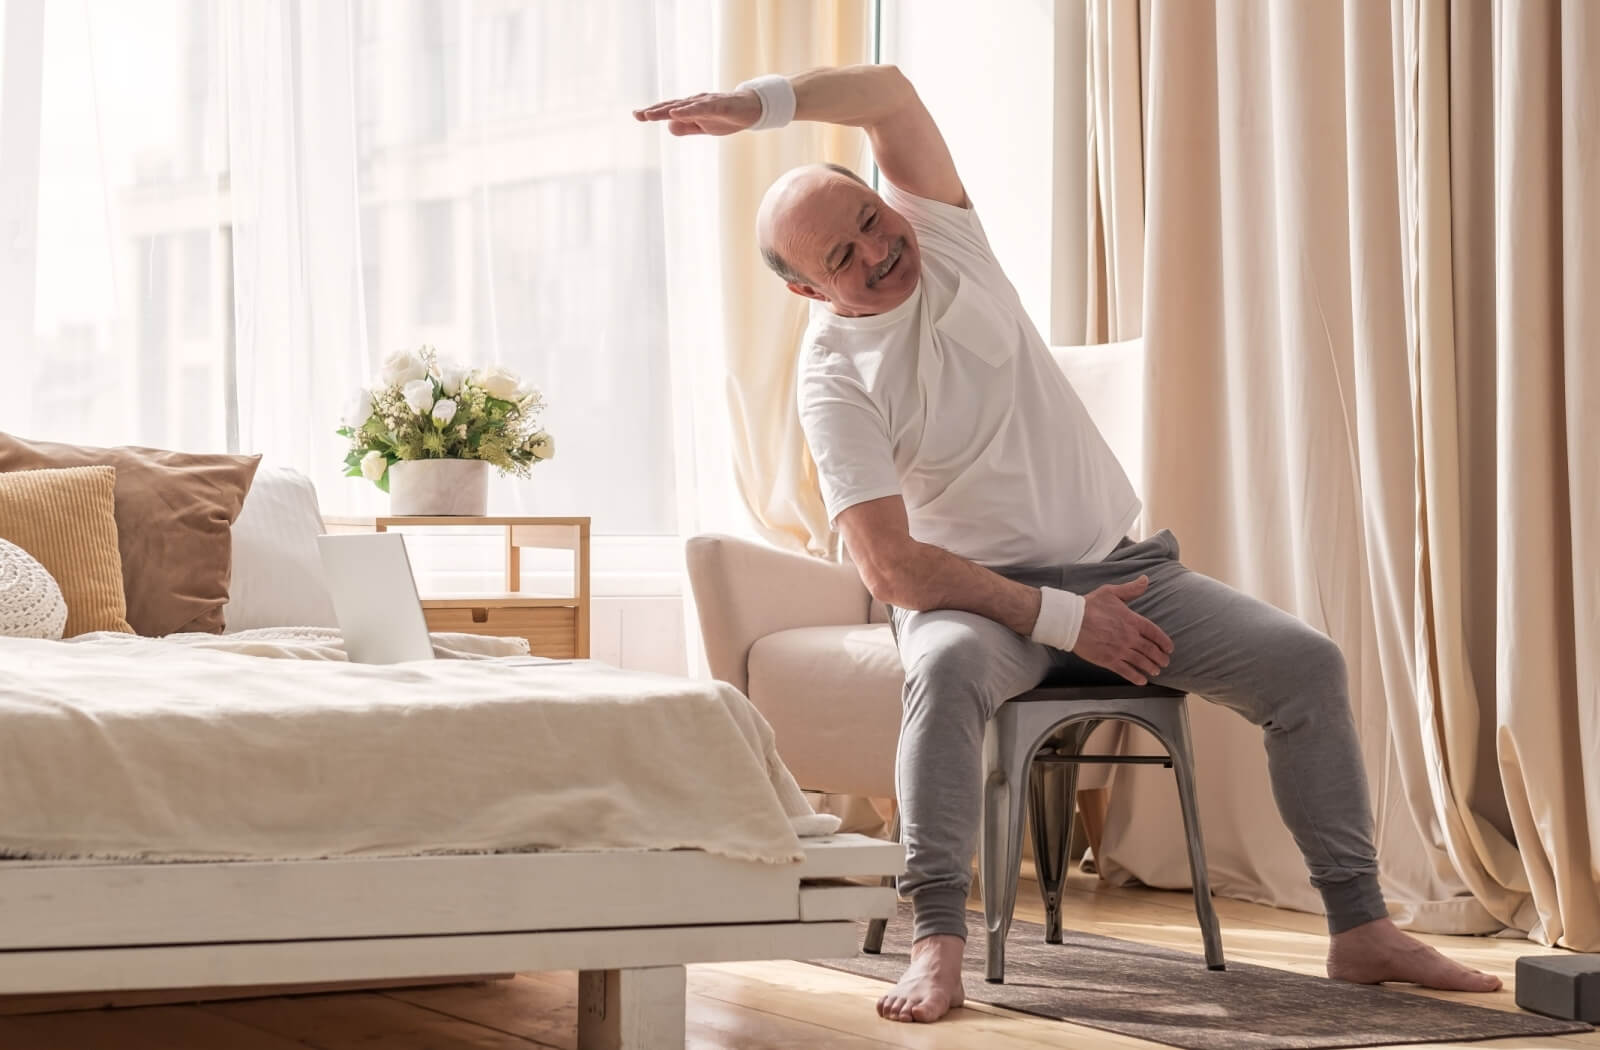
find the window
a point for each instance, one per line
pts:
(507, 211)
(531, 242)
(122, 320)
(195, 295)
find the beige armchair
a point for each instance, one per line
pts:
(803, 639)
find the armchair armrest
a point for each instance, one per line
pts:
(744, 591)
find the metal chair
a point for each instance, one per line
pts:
(1037, 738)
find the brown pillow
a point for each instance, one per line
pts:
(174, 514)
(66, 519)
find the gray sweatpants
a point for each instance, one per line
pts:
(1227, 647)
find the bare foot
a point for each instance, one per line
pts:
(1377, 951)
(931, 985)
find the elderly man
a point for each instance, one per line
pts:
(979, 502)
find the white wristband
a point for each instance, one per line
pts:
(1060, 618)
(777, 100)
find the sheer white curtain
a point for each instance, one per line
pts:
(465, 175)
(297, 275)
(111, 258)
(233, 210)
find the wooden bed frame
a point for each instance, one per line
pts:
(628, 921)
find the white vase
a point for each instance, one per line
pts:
(428, 487)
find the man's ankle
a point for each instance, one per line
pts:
(939, 911)
(1352, 903)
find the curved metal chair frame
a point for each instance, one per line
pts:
(1037, 739)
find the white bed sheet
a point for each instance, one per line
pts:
(270, 745)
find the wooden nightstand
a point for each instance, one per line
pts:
(554, 625)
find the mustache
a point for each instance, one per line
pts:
(883, 267)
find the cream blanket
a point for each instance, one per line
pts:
(270, 745)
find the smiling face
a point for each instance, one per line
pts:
(833, 239)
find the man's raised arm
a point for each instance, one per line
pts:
(878, 99)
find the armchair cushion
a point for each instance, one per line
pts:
(832, 694)
(744, 591)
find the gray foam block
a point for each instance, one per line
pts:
(1566, 986)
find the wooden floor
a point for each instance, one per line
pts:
(747, 1006)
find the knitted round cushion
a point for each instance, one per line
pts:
(31, 605)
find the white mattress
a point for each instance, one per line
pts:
(269, 745)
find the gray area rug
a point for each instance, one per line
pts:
(1168, 996)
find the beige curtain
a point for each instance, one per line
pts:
(1370, 277)
(1097, 294)
(762, 321)
(1508, 591)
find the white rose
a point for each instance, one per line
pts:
(419, 395)
(403, 366)
(373, 464)
(443, 412)
(451, 376)
(359, 408)
(499, 381)
(543, 447)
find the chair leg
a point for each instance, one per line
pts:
(1006, 759)
(873, 944)
(1177, 741)
(1053, 789)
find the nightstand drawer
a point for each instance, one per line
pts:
(551, 630)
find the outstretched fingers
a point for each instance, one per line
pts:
(663, 110)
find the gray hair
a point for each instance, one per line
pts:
(777, 263)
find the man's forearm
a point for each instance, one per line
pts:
(858, 96)
(928, 577)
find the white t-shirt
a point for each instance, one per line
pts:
(952, 401)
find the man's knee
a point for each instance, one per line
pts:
(1321, 663)
(1311, 679)
(957, 672)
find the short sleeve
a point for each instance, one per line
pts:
(849, 440)
(947, 225)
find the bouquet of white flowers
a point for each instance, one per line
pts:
(428, 408)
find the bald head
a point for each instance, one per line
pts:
(832, 239)
(789, 200)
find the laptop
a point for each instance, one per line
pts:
(375, 597)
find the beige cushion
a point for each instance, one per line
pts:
(832, 695)
(66, 520)
(173, 512)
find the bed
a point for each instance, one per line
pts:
(629, 922)
(249, 809)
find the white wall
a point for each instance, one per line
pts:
(986, 72)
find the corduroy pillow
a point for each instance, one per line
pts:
(66, 520)
(174, 513)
